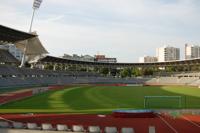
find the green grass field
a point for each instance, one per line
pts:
(102, 99)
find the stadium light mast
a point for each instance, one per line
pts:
(36, 5)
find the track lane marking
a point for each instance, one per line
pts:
(170, 126)
(1, 118)
(193, 123)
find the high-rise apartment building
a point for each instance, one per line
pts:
(192, 51)
(104, 59)
(167, 53)
(148, 59)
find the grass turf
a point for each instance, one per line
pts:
(101, 99)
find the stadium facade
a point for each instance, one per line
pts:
(60, 74)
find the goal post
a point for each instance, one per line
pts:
(162, 102)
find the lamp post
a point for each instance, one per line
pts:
(36, 5)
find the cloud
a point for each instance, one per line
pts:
(56, 18)
(125, 29)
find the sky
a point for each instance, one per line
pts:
(125, 29)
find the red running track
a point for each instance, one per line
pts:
(162, 123)
(13, 96)
(21, 94)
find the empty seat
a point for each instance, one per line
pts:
(32, 126)
(4, 124)
(110, 130)
(127, 130)
(152, 129)
(77, 128)
(94, 129)
(47, 126)
(61, 127)
(18, 125)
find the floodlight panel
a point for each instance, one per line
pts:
(36, 4)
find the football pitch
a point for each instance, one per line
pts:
(105, 99)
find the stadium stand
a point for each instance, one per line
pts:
(58, 60)
(177, 74)
(7, 58)
(190, 81)
(14, 76)
(11, 76)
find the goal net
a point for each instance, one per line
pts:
(162, 102)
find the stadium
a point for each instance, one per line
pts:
(57, 95)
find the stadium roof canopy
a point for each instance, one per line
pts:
(34, 47)
(9, 35)
(52, 59)
(22, 39)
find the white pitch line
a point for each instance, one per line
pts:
(193, 123)
(6, 119)
(170, 126)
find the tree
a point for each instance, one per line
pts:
(147, 71)
(170, 69)
(126, 72)
(104, 71)
(136, 72)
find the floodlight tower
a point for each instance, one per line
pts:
(36, 5)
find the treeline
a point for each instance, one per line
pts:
(125, 71)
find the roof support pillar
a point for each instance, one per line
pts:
(54, 66)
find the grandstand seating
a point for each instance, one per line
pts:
(191, 81)
(195, 83)
(178, 74)
(11, 76)
(7, 58)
